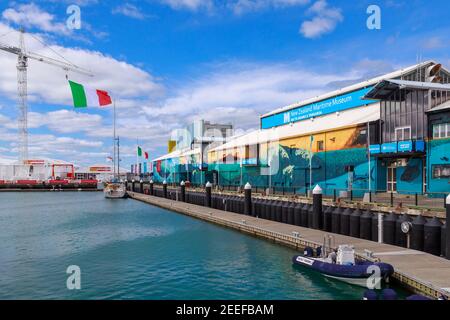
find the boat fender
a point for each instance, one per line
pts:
(388, 294)
(370, 294)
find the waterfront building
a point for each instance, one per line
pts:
(387, 134)
(99, 172)
(189, 159)
(35, 170)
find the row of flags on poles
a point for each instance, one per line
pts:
(141, 165)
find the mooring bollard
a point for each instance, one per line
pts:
(183, 191)
(165, 189)
(248, 199)
(141, 186)
(317, 207)
(208, 188)
(132, 185)
(447, 231)
(151, 188)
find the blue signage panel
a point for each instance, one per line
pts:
(420, 146)
(339, 103)
(389, 147)
(374, 148)
(405, 146)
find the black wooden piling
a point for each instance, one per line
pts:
(165, 189)
(317, 207)
(208, 189)
(248, 199)
(183, 191)
(152, 193)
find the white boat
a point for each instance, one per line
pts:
(115, 190)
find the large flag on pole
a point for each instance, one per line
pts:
(139, 151)
(146, 155)
(84, 96)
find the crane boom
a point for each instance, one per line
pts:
(22, 66)
(63, 65)
(38, 57)
(10, 49)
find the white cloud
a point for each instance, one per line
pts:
(189, 4)
(131, 86)
(435, 42)
(324, 20)
(30, 15)
(65, 121)
(47, 83)
(243, 6)
(238, 93)
(129, 10)
(238, 7)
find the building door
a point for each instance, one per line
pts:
(392, 178)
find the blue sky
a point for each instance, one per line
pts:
(168, 62)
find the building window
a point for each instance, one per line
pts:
(320, 146)
(441, 130)
(403, 133)
(441, 171)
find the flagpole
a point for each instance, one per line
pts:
(137, 157)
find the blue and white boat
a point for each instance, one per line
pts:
(342, 266)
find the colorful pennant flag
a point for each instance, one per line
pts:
(84, 96)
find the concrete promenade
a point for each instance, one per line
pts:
(418, 271)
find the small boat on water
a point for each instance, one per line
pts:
(342, 266)
(115, 190)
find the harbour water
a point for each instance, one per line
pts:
(130, 250)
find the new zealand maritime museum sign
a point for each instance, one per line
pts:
(339, 103)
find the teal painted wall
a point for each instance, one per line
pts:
(410, 177)
(438, 153)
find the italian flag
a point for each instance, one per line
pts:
(84, 96)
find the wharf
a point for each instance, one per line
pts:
(418, 271)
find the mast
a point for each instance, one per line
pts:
(114, 137)
(118, 157)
